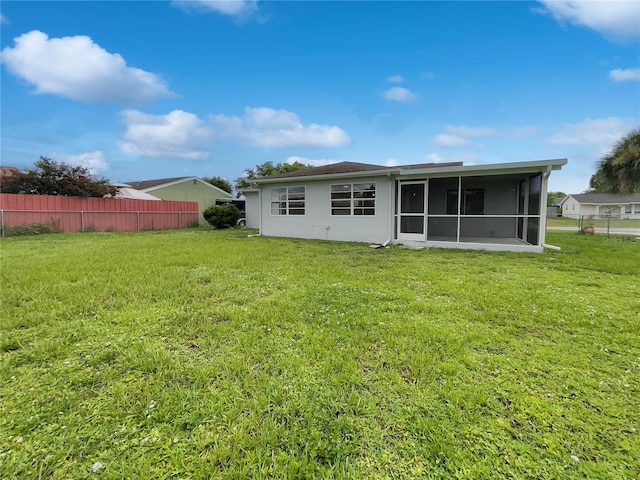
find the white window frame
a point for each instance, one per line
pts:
(285, 205)
(352, 208)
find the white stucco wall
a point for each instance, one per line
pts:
(631, 210)
(572, 209)
(252, 208)
(317, 222)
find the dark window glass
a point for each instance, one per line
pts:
(474, 201)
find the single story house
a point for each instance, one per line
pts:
(190, 189)
(493, 207)
(601, 205)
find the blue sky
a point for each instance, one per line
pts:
(144, 90)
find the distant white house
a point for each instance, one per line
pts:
(601, 205)
(492, 207)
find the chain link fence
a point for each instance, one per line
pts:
(19, 222)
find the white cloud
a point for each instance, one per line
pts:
(178, 134)
(458, 135)
(613, 19)
(3, 20)
(451, 141)
(466, 131)
(623, 75)
(319, 162)
(78, 68)
(181, 134)
(395, 79)
(234, 8)
(268, 127)
(602, 132)
(392, 162)
(464, 157)
(434, 158)
(95, 162)
(400, 94)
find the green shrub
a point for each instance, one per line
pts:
(32, 229)
(222, 216)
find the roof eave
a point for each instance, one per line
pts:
(326, 176)
(514, 167)
(182, 180)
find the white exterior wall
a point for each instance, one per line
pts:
(572, 209)
(252, 208)
(631, 210)
(318, 223)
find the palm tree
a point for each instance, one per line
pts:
(619, 171)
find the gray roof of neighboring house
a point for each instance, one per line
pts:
(144, 184)
(352, 167)
(605, 198)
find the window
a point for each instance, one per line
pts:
(353, 199)
(287, 201)
(473, 201)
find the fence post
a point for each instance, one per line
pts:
(2, 222)
(81, 220)
(138, 221)
(608, 223)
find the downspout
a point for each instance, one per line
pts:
(543, 212)
(260, 209)
(391, 221)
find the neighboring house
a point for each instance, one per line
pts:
(493, 207)
(601, 205)
(8, 172)
(190, 189)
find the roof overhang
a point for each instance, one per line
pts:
(462, 170)
(493, 168)
(184, 180)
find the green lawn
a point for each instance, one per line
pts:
(205, 354)
(596, 222)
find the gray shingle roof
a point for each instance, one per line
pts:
(351, 167)
(605, 198)
(153, 183)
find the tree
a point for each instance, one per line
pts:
(52, 178)
(619, 170)
(219, 182)
(267, 169)
(552, 196)
(596, 183)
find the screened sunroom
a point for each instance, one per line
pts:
(501, 209)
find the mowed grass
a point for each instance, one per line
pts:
(595, 222)
(210, 354)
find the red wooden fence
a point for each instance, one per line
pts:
(76, 214)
